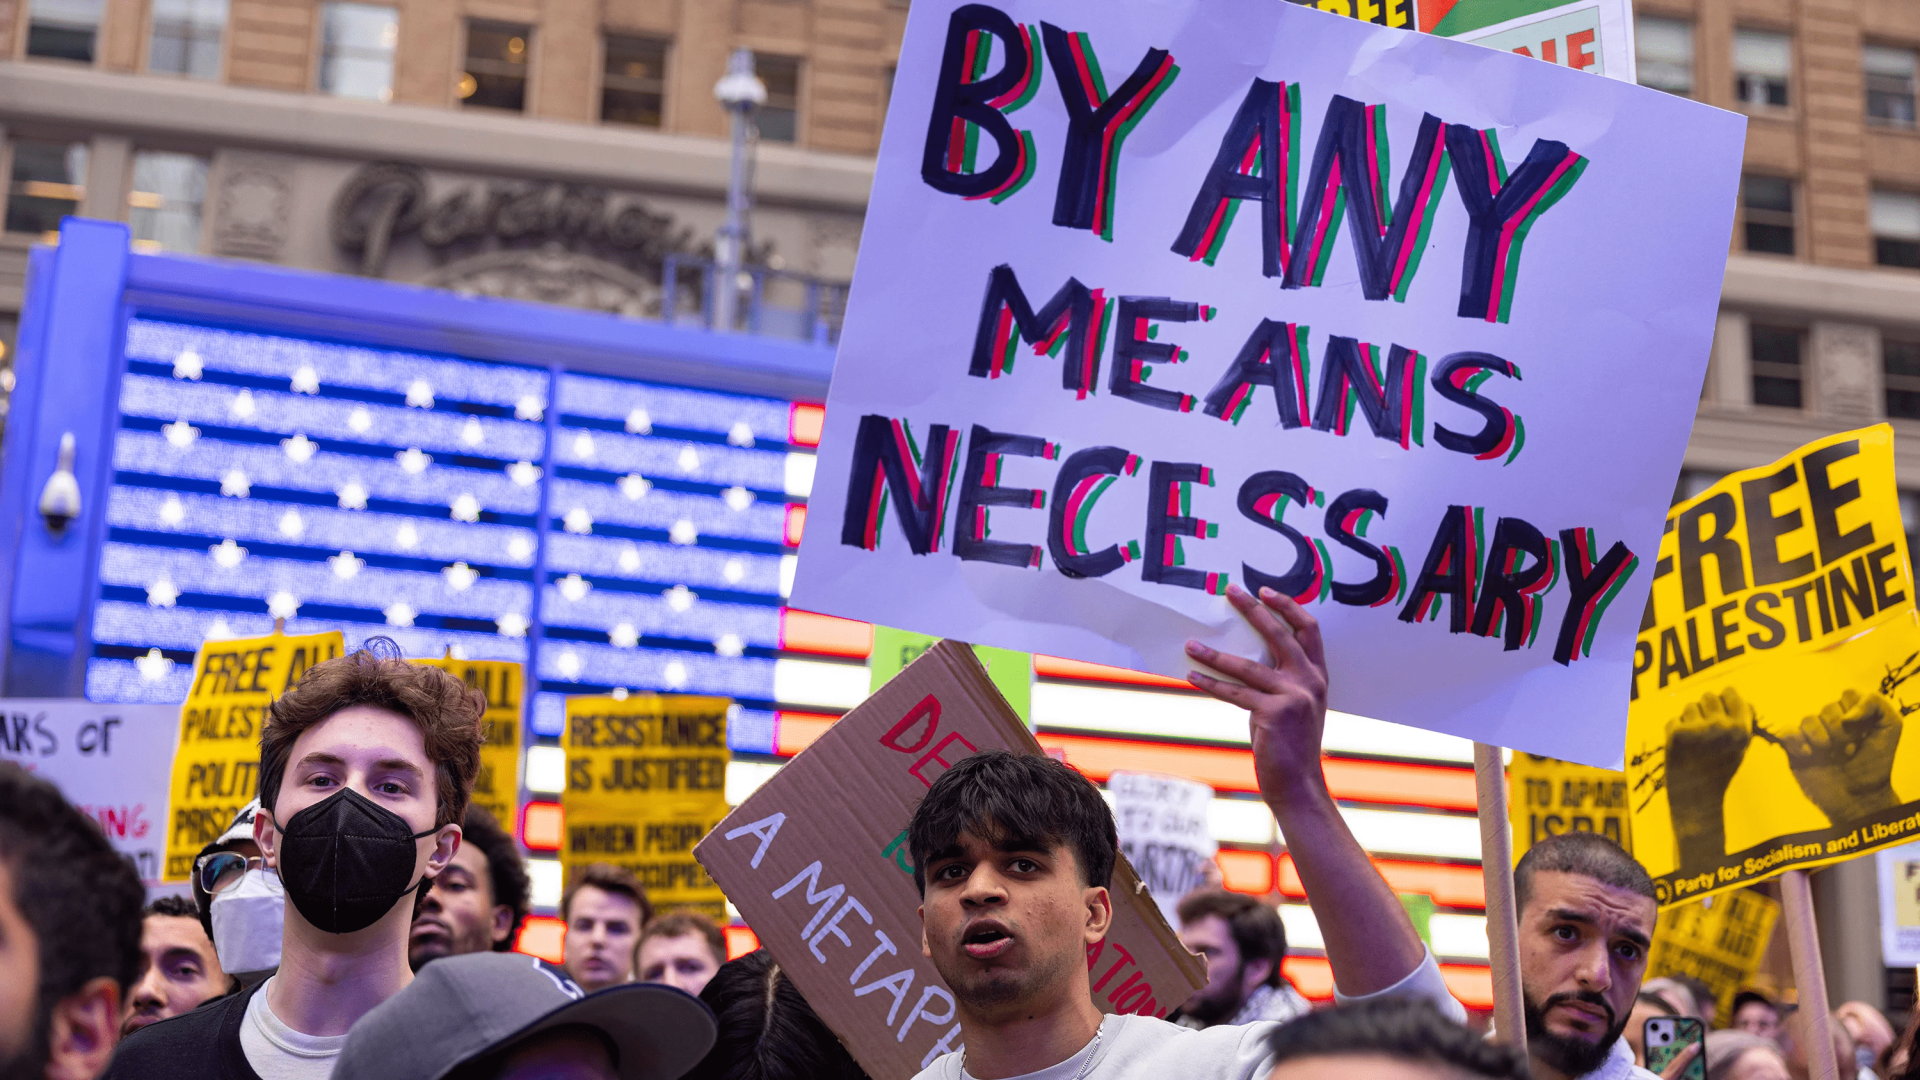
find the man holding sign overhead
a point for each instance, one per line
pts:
(1014, 856)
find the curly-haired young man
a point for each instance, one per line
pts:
(365, 771)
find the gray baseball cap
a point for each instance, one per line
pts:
(462, 1008)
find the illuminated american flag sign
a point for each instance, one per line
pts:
(611, 533)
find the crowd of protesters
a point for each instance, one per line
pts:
(359, 920)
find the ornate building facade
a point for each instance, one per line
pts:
(568, 151)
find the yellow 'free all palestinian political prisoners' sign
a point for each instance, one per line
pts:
(216, 769)
(1547, 797)
(497, 789)
(646, 779)
(1721, 945)
(1771, 674)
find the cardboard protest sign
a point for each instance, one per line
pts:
(216, 768)
(1274, 256)
(1163, 828)
(108, 760)
(1011, 672)
(497, 789)
(646, 779)
(1900, 905)
(1587, 35)
(816, 861)
(1549, 797)
(1721, 945)
(1771, 679)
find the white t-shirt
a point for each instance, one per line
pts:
(277, 1052)
(1145, 1048)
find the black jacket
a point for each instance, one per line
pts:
(200, 1045)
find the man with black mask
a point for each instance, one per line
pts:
(365, 771)
(1586, 920)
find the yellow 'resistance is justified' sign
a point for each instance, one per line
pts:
(1771, 675)
(646, 779)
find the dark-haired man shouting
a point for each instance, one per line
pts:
(1013, 856)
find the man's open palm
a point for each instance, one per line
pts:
(1287, 698)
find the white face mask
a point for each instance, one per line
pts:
(247, 919)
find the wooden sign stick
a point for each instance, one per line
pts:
(1496, 863)
(1809, 974)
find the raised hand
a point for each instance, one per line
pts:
(1705, 745)
(1843, 758)
(1370, 942)
(1287, 698)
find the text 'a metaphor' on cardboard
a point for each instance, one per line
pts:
(110, 761)
(1232, 292)
(497, 789)
(646, 779)
(816, 861)
(1773, 677)
(216, 769)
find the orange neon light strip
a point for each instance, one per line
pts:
(795, 731)
(542, 936)
(740, 942)
(1249, 872)
(795, 525)
(804, 631)
(1222, 768)
(1231, 769)
(1450, 884)
(1055, 667)
(542, 826)
(1313, 977)
(804, 424)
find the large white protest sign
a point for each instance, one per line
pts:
(110, 761)
(1154, 297)
(1162, 821)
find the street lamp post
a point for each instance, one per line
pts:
(740, 92)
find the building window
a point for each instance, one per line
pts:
(633, 87)
(496, 75)
(1692, 482)
(1776, 365)
(46, 185)
(1762, 66)
(1900, 361)
(1895, 216)
(63, 29)
(163, 209)
(186, 37)
(1891, 74)
(779, 117)
(356, 50)
(1664, 50)
(1768, 204)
